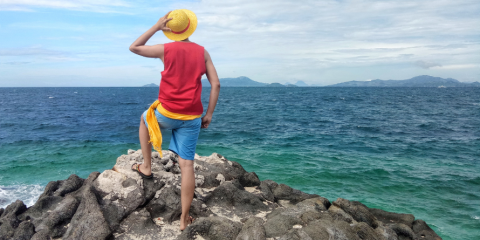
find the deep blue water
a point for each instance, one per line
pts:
(409, 150)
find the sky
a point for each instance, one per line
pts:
(61, 43)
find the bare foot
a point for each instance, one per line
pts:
(185, 222)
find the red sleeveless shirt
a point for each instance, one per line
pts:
(181, 84)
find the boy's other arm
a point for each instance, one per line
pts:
(155, 51)
(215, 83)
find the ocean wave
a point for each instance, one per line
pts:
(26, 193)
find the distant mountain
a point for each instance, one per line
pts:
(151, 85)
(236, 82)
(301, 84)
(275, 85)
(419, 81)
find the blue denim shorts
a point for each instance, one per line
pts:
(184, 134)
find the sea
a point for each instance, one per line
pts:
(405, 150)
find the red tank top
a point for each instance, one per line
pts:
(181, 84)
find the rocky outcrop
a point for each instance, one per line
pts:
(229, 203)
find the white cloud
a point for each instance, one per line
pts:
(83, 5)
(427, 64)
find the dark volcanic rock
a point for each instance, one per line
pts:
(24, 231)
(266, 191)
(1, 211)
(166, 205)
(212, 228)
(252, 230)
(402, 231)
(138, 225)
(249, 179)
(423, 231)
(71, 184)
(88, 221)
(357, 210)
(42, 235)
(56, 221)
(284, 192)
(391, 217)
(295, 234)
(151, 186)
(364, 231)
(9, 220)
(279, 224)
(230, 196)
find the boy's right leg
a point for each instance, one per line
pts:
(187, 190)
(146, 166)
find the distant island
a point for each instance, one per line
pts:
(419, 81)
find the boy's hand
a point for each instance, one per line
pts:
(162, 23)
(206, 120)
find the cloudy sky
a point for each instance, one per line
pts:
(85, 42)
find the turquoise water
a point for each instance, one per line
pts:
(409, 150)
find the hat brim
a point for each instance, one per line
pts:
(188, 32)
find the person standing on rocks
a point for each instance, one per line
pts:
(179, 107)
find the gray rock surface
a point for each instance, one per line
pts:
(229, 203)
(253, 229)
(357, 210)
(423, 231)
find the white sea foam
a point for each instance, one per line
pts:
(476, 217)
(27, 193)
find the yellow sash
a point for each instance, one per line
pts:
(154, 129)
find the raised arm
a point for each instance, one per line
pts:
(155, 51)
(215, 83)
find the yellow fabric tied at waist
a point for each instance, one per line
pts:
(154, 128)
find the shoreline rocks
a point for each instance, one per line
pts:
(229, 203)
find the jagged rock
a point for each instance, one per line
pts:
(402, 231)
(338, 230)
(391, 217)
(252, 230)
(241, 202)
(119, 204)
(138, 225)
(357, 210)
(24, 231)
(249, 179)
(166, 204)
(119, 194)
(284, 192)
(88, 221)
(338, 214)
(423, 231)
(266, 191)
(9, 220)
(151, 186)
(386, 232)
(71, 184)
(212, 228)
(56, 221)
(364, 231)
(41, 235)
(295, 234)
(279, 224)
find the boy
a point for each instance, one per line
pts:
(179, 107)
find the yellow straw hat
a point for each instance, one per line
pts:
(183, 24)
